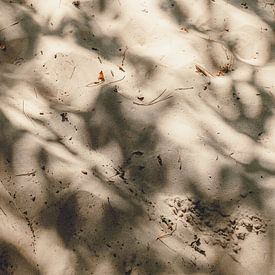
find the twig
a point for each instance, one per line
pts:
(115, 81)
(168, 246)
(3, 211)
(124, 56)
(26, 114)
(27, 174)
(72, 72)
(99, 59)
(158, 96)
(179, 161)
(165, 236)
(202, 70)
(183, 89)
(154, 101)
(13, 24)
(168, 234)
(100, 83)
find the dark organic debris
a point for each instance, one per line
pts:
(120, 68)
(156, 100)
(215, 225)
(159, 160)
(76, 4)
(26, 174)
(64, 117)
(202, 70)
(124, 56)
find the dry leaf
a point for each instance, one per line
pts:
(101, 76)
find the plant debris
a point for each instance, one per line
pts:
(101, 79)
(156, 100)
(64, 117)
(203, 71)
(27, 174)
(12, 24)
(121, 69)
(195, 244)
(76, 4)
(209, 219)
(101, 76)
(93, 84)
(159, 160)
(124, 56)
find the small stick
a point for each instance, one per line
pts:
(168, 234)
(158, 96)
(27, 174)
(26, 114)
(13, 24)
(168, 246)
(179, 161)
(183, 89)
(202, 70)
(111, 82)
(155, 101)
(3, 211)
(99, 59)
(124, 56)
(149, 104)
(72, 72)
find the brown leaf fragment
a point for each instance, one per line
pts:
(101, 76)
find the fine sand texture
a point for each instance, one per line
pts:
(137, 137)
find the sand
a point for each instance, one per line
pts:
(137, 137)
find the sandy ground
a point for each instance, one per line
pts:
(137, 137)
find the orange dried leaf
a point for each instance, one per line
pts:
(101, 76)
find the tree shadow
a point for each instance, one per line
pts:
(97, 229)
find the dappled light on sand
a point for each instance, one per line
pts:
(137, 137)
